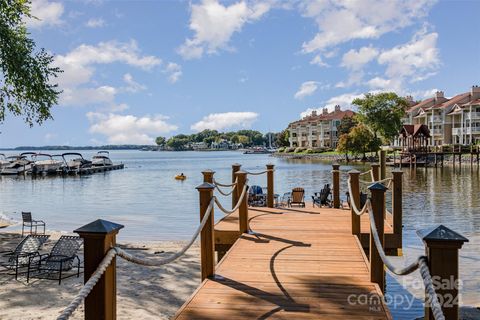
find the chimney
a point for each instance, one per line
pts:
(325, 110)
(337, 108)
(439, 95)
(475, 92)
(314, 113)
(409, 98)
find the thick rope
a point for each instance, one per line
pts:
(257, 173)
(226, 194)
(215, 182)
(239, 202)
(87, 288)
(432, 295)
(420, 262)
(357, 211)
(366, 172)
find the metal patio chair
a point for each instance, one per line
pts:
(27, 221)
(23, 254)
(62, 258)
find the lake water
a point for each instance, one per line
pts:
(153, 206)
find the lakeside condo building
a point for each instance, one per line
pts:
(453, 120)
(317, 130)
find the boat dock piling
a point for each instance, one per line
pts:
(290, 263)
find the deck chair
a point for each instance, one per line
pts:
(363, 199)
(256, 197)
(27, 221)
(297, 197)
(322, 198)
(63, 257)
(23, 254)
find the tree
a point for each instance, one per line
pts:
(178, 142)
(160, 141)
(244, 140)
(362, 140)
(346, 124)
(345, 145)
(25, 73)
(281, 138)
(382, 113)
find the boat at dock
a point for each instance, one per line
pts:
(3, 161)
(258, 151)
(46, 164)
(18, 164)
(102, 158)
(74, 165)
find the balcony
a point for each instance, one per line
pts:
(456, 131)
(473, 115)
(436, 131)
(436, 119)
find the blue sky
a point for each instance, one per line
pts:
(138, 69)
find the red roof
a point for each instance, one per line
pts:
(471, 103)
(415, 129)
(334, 115)
(457, 99)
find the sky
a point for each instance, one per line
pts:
(135, 70)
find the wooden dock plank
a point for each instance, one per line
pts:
(300, 263)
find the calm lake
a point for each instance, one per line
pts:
(153, 206)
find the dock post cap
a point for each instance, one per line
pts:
(397, 170)
(441, 233)
(377, 186)
(240, 172)
(375, 164)
(354, 171)
(99, 226)
(236, 165)
(208, 171)
(205, 186)
(270, 165)
(335, 165)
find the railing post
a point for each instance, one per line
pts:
(355, 198)
(207, 241)
(377, 271)
(376, 171)
(98, 237)
(208, 175)
(441, 248)
(243, 209)
(383, 164)
(397, 210)
(270, 184)
(336, 185)
(235, 168)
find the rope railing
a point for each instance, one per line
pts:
(419, 263)
(226, 194)
(116, 251)
(257, 173)
(239, 202)
(215, 182)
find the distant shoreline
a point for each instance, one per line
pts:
(105, 147)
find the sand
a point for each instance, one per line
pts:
(142, 292)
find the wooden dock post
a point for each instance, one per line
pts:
(355, 198)
(98, 237)
(243, 209)
(235, 168)
(207, 241)
(441, 247)
(397, 208)
(208, 175)
(270, 185)
(383, 164)
(376, 171)
(377, 270)
(336, 185)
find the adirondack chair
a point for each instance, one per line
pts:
(297, 197)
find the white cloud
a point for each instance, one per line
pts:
(342, 21)
(129, 129)
(317, 60)
(174, 72)
(356, 59)
(78, 66)
(50, 136)
(95, 23)
(214, 24)
(343, 100)
(132, 85)
(306, 89)
(221, 121)
(48, 13)
(420, 54)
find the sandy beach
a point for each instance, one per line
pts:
(142, 292)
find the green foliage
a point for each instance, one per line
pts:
(382, 113)
(25, 74)
(281, 149)
(345, 144)
(178, 142)
(360, 140)
(281, 138)
(299, 149)
(160, 141)
(346, 124)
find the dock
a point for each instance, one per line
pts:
(296, 263)
(91, 170)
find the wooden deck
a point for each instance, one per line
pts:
(298, 264)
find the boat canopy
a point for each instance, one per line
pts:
(103, 151)
(72, 154)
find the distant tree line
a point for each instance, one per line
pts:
(246, 138)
